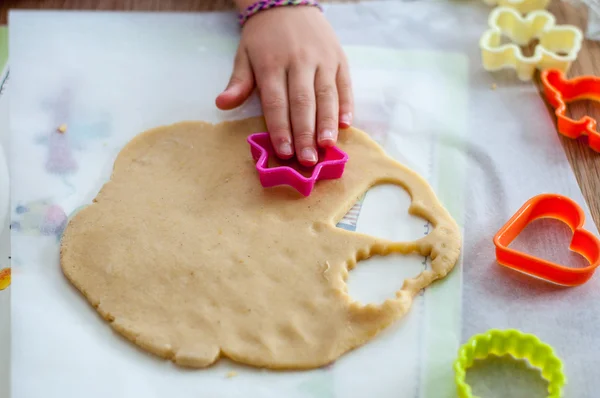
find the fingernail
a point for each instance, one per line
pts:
(285, 149)
(327, 135)
(346, 119)
(309, 155)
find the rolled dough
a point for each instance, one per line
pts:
(185, 254)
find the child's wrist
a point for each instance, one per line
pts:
(253, 7)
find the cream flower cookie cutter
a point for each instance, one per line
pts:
(523, 6)
(558, 44)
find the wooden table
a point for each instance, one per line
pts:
(585, 162)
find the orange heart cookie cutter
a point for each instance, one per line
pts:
(559, 91)
(583, 242)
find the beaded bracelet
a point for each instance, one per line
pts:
(266, 4)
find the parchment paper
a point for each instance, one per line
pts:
(420, 91)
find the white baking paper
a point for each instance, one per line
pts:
(420, 91)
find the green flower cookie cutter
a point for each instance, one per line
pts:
(516, 344)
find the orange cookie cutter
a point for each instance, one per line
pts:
(559, 91)
(583, 242)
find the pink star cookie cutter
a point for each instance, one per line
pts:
(330, 166)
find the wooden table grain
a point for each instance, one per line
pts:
(585, 162)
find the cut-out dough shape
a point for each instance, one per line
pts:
(186, 255)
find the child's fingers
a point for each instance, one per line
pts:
(240, 84)
(344, 88)
(303, 109)
(327, 106)
(273, 96)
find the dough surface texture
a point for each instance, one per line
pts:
(185, 254)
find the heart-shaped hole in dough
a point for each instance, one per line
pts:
(383, 213)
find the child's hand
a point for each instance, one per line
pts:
(292, 55)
